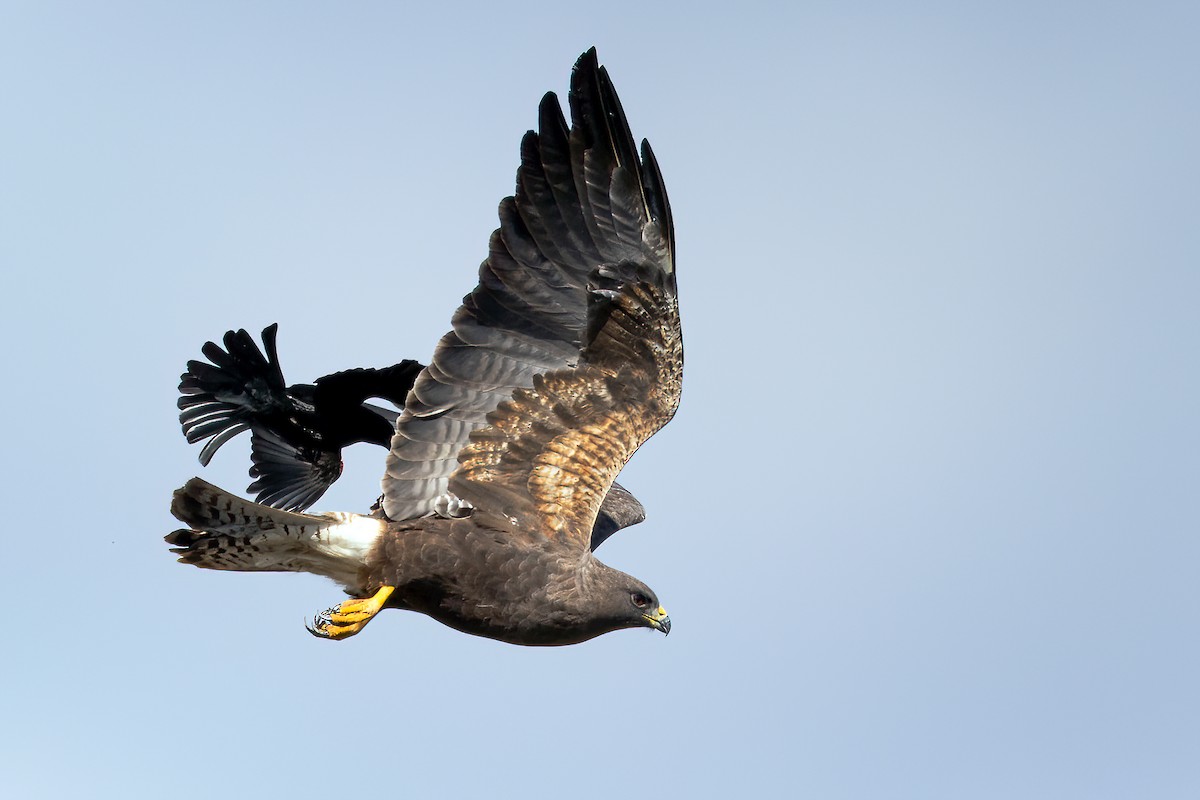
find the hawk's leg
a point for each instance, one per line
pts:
(348, 618)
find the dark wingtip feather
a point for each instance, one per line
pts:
(656, 195)
(596, 108)
(588, 60)
(549, 110)
(584, 99)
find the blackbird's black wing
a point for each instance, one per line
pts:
(287, 475)
(341, 397)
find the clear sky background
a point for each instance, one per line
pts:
(926, 522)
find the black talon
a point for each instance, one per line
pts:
(315, 626)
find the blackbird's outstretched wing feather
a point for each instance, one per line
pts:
(584, 200)
(288, 475)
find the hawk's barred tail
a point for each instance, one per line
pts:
(229, 533)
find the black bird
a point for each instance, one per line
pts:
(297, 432)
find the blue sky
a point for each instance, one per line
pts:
(926, 522)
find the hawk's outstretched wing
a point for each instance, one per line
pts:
(547, 457)
(586, 207)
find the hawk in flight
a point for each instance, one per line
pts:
(562, 361)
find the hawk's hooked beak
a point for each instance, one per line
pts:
(659, 620)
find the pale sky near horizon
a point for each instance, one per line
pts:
(926, 522)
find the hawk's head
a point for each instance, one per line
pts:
(617, 600)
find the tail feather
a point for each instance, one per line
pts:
(220, 400)
(229, 533)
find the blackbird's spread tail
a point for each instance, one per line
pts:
(229, 533)
(222, 399)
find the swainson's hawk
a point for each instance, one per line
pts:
(563, 360)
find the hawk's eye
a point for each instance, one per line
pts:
(640, 600)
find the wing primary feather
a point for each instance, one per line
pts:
(656, 196)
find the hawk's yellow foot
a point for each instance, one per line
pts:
(348, 618)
